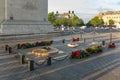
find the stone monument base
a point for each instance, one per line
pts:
(25, 27)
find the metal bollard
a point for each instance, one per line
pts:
(103, 43)
(63, 41)
(22, 59)
(10, 50)
(51, 42)
(49, 61)
(18, 46)
(6, 47)
(84, 40)
(30, 65)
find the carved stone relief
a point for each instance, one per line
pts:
(31, 5)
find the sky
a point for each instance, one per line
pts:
(85, 9)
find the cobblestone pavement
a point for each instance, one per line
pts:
(103, 66)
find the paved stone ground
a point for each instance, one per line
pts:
(103, 66)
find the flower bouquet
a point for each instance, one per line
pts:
(111, 45)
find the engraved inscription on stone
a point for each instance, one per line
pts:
(31, 5)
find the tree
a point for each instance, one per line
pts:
(96, 21)
(69, 22)
(51, 17)
(101, 22)
(81, 22)
(89, 24)
(76, 21)
(66, 22)
(57, 21)
(111, 22)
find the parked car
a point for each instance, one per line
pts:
(107, 28)
(102, 28)
(96, 27)
(83, 27)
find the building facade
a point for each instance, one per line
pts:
(106, 16)
(24, 17)
(68, 15)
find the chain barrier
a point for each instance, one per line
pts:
(47, 61)
(118, 30)
(14, 47)
(84, 32)
(78, 32)
(17, 56)
(97, 33)
(39, 64)
(11, 49)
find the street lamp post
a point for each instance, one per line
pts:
(81, 33)
(94, 34)
(110, 34)
(111, 22)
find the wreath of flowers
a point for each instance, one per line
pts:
(35, 44)
(86, 52)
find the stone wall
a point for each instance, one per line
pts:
(27, 9)
(26, 28)
(2, 10)
(25, 17)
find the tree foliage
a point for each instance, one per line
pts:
(96, 21)
(89, 24)
(75, 21)
(51, 17)
(111, 22)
